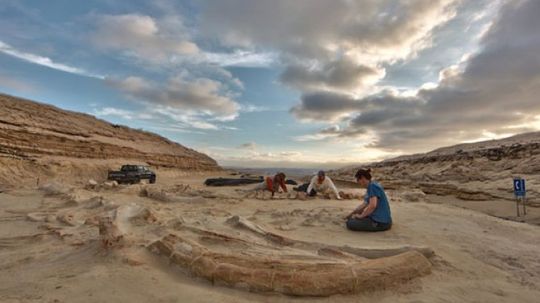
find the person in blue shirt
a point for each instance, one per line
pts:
(374, 214)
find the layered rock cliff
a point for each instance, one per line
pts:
(35, 136)
(474, 171)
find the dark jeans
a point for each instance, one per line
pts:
(366, 224)
(304, 188)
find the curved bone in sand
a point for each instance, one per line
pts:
(292, 276)
(270, 262)
(370, 253)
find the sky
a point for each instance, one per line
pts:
(280, 83)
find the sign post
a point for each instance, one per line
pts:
(520, 194)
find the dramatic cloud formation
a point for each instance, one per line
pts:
(493, 90)
(330, 46)
(340, 75)
(314, 28)
(141, 36)
(190, 97)
(196, 91)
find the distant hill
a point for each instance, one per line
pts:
(470, 171)
(36, 137)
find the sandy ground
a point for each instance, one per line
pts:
(479, 258)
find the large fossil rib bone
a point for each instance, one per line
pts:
(289, 276)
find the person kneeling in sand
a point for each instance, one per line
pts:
(374, 214)
(320, 184)
(272, 184)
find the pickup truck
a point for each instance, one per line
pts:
(132, 174)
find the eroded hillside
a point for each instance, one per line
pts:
(42, 140)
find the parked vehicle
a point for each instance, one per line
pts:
(132, 174)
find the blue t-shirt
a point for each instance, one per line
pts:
(381, 213)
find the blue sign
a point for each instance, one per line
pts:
(519, 187)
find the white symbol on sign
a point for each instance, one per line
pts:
(517, 185)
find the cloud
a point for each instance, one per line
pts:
(191, 97)
(141, 36)
(249, 146)
(116, 112)
(44, 61)
(238, 58)
(338, 46)
(489, 92)
(326, 106)
(167, 41)
(159, 117)
(340, 75)
(123, 113)
(250, 108)
(314, 28)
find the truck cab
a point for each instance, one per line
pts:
(132, 174)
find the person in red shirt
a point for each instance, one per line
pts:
(272, 184)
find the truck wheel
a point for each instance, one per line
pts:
(152, 180)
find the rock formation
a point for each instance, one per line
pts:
(45, 141)
(474, 171)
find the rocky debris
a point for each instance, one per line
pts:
(142, 216)
(111, 236)
(177, 193)
(110, 184)
(55, 189)
(91, 184)
(40, 217)
(445, 189)
(95, 202)
(114, 227)
(158, 194)
(413, 196)
(293, 195)
(69, 218)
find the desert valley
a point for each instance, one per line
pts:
(69, 235)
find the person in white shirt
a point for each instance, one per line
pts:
(322, 184)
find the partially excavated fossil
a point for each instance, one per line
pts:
(271, 262)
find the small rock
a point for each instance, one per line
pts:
(133, 262)
(35, 217)
(110, 184)
(91, 184)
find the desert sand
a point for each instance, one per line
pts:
(51, 249)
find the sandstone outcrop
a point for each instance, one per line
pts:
(475, 171)
(40, 142)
